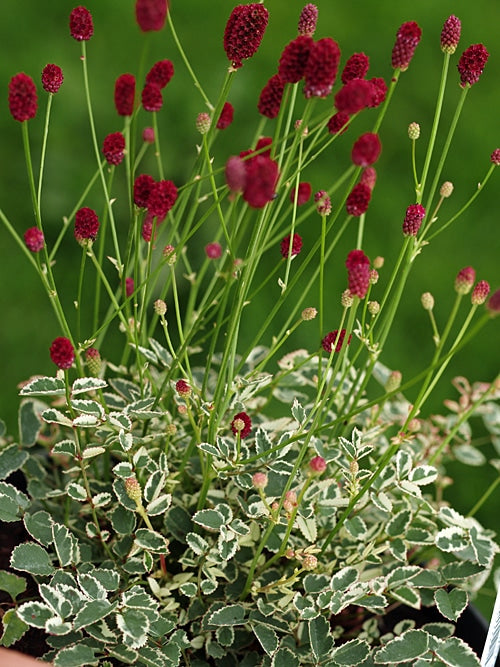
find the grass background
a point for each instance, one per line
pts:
(40, 35)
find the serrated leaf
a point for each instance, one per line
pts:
(484, 548)
(66, 545)
(53, 416)
(134, 626)
(423, 475)
(162, 353)
(64, 447)
(91, 587)
(29, 422)
(11, 459)
(31, 557)
(408, 596)
(190, 589)
(284, 658)
(308, 527)
(78, 655)
(400, 575)
(86, 421)
(102, 499)
(13, 628)
(210, 519)
(451, 539)
(399, 523)
(123, 520)
(451, 604)
(344, 578)
(320, 639)
(90, 452)
(151, 541)
(298, 411)
(76, 491)
(460, 570)
(456, 653)
(93, 611)
(126, 440)
(88, 406)
(267, 637)
(233, 614)
(120, 420)
(404, 464)
(408, 646)
(83, 385)
(44, 386)
(351, 653)
(356, 527)
(197, 543)
(209, 449)
(35, 613)
(12, 584)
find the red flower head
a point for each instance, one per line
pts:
(151, 14)
(113, 147)
(183, 388)
(321, 69)
(354, 96)
(129, 287)
(33, 238)
(151, 97)
(142, 189)
(260, 183)
(81, 27)
(338, 123)
(62, 352)
(244, 32)
(358, 199)
(236, 173)
(86, 225)
(213, 250)
(125, 94)
(329, 340)
(293, 60)
(493, 304)
(379, 91)
(271, 96)
(356, 67)
(161, 73)
(471, 64)
(148, 135)
(480, 293)
(23, 101)
(323, 202)
(147, 228)
(296, 246)
(366, 150)
(307, 20)
(450, 34)
(162, 197)
(358, 273)
(407, 39)
(241, 424)
(226, 116)
(465, 280)
(495, 156)
(415, 213)
(369, 177)
(52, 78)
(303, 195)
(264, 142)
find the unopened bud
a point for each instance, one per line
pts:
(393, 381)
(309, 314)
(378, 262)
(413, 131)
(169, 254)
(94, 362)
(183, 389)
(203, 122)
(160, 307)
(346, 299)
(170, 429)
(427, 301)
(133, 489)
(446, 189)
(373, 307)
(259, 480)
(310, 562)
(317, 465)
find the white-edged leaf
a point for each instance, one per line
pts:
(267, 637)
(53, 416)
(456, 653)
(423, 475)
(90, 452)
(83, 385)
(65, 448)
(451, 539)
(451, 604)
(76, 491)
(405, 648)
(197, 543)
(120, 420)
(233, 614)
(44, 386)
(159, 505)
(351, 653)
(210, 519)
(31, 557)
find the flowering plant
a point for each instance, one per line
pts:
(209, 494)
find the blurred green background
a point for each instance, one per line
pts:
(39, 34)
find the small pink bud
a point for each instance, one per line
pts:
(480, 293)
(33, 238)
(450, 34)
(148, 135)
(213, 250)
(94, 361)
(393, 381)
(323, 203)
(317, 465)
(427, 301)
(133, 489)
(413, 131)
(183, 388)
(465, 280)
(259, 480)
(493, 304)
(203, 122)
(310, 562)
(307, 20)
(415, 213)
(308, 314)
(160, 307)
(495, 156)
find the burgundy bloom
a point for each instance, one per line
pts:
(450, 34)
(317, 465)
(366, 150)
(113, 147)
(358, 273)
(495, 156)
(354, 96)
(86, 225)
(264, 142)
(323, 202)
(369, 177)
(161, 73)
(129, 287)
(241, 424)
(33, 238)
(148, 135)
(142, 189)
(493, 304)
(183, 388)
(296, 246)
(407, 39)
(213, 250)
(62, 352)
(471, 64)
(465, 280)
(52, 78)
(226, 116)
(151, 97)
(293, 60)
(125, 94)
(147, 228)
(480, 293)
(244, 32)
(379, 91)
(307, 20)
(151, 14)
(321, 69)
(338, 123)
(81, 27)
(415, 213)
(236, 173)
(356, 67)
(261, 178)
(271, 96)
(303, 195)
(162, 197)
(23, 101)
(329, 340)
(358, 200)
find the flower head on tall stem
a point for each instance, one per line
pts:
(62, 352)
(465, 280)
(495, 156)
(304, 192)
(244, 32)
(323, 202)
(358, 200)
(162, 197)
(493, 304)
(415, 213)
(125, 94)
(358, 273)
(338, 123)
(296, 246)
(321, 69)
(293, 60)
(270, 97)
(471, 64)
(226, 116)
(161, 73)
(213, 250)
(81, 26)
(450, 34)
(142, 189)
(480, 293)
(329, 340)
(113, 148)
(33, 238)
(23, 101)
(407, 39)
(356, 67)
(366, 150)
(86, 225)
(52, 78)
(151, 14)
(241, 424)
(260, 181)
(354, 96)
(151, 97)
(307, 20)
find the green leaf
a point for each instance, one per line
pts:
(399, 523)
(82, 385)
(409, 646)
(29, 422)
(351, 653)
(451, 539)
(151, 541)
(343, 579)
(423, 475)
(12, 502)
(11, 459)
(190, 589)
(32, 558)
(35, 614)
(197, 543)
(400, 575)
(233, 614)
(12, 584)
(79, 655)
(469, 455)
(64, 447)
(76, 491)
(459, 570)
(13, 628)
(53, 416)
(268, 639)
(90, 452)
(456, 653)
(44, 386)
(408, 596)
(484, 548)
(93, 611)
(319, 637)
(134, 626)
(210, 519)
(123, 520)
(451, 604)
(298, 411)
(284, 658)
(356, 527)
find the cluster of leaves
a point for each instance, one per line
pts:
(228, 583)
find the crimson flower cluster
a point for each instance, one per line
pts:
(157, 197)
(23, 100)
(415, 213)
(62, 352)
(86, 225)
(335, 338)
(304, 192)
(244, 32)
(471, 64)
(450, 34)
(296, 246)
(81, 26)
(358, 273)
(358, 199)
(407, 39)
(33, 238)
(151, 14)
(366, 150)
(125, 94)
(226, 116)
(254, 174)
(241, 424)
(113, 148)
(52, 78)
